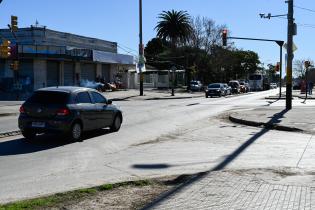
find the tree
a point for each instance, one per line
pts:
(174, 26)
(205, 34)
(298, 69)
(154, 47)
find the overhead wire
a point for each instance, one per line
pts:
(303, 8)
(126, 50)
(305, 25)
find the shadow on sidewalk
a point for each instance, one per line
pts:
(276, 118)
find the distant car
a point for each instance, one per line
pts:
(215, 89)
(235, 86)
(273, 85)
(94, 85)
(228, 89)
(247, 86)
(196, 86)
(68, 110)
(244, 87)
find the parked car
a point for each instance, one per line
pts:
(247, 86)
(68, 110)
(235, 86)
(94, 85)
(196, 86)
(243, 87)
(227, 89)
(215, 89)
(273, 85)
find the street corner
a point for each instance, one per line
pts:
(276, 118)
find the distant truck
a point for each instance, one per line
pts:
(257, 82)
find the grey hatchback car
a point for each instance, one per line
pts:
(68, 110)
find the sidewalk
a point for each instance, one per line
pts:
(8, 108)
(261, 188)
(239, 190)
(299, 119)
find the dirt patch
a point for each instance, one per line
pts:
(129, 197)
(124, 195)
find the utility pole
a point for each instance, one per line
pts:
(290, 55)
(141, 50)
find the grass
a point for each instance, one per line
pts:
(59, 198)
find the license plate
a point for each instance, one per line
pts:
(38, 124)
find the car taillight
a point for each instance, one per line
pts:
(63, 112)
(22, 110)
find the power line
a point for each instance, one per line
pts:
(128, 48)
(127, 51)
(306, 25)
(303, 8)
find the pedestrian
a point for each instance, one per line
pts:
(310, 88)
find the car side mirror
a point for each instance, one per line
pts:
(109, 101)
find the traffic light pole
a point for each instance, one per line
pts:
(141, 52)
(279, 42)
(290, 55)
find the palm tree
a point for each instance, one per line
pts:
(174, 26)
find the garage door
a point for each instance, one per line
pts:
(52, 73)
(88, 72)
(68, 74)
(106, 72)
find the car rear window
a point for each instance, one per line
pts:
(214, 86)
(49, 97)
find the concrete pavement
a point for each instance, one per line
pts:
(281, 185)
(244, 168)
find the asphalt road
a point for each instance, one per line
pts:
(8, 123)
(158, 138)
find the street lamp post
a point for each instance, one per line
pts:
(280, 43)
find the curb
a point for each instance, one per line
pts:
(155, 98)
(303, 97)
(275, 98)
(180, 97)
(10, 133)
(122, 99)
(265, 125)
(9, 114)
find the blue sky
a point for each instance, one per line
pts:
(117, 20)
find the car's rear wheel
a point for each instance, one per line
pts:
(116, 124)
(28, 134)
(76, 131)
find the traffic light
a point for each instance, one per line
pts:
(224, 37)
(14, 23)
(5, 49)
(277, 67)
(14, 66)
